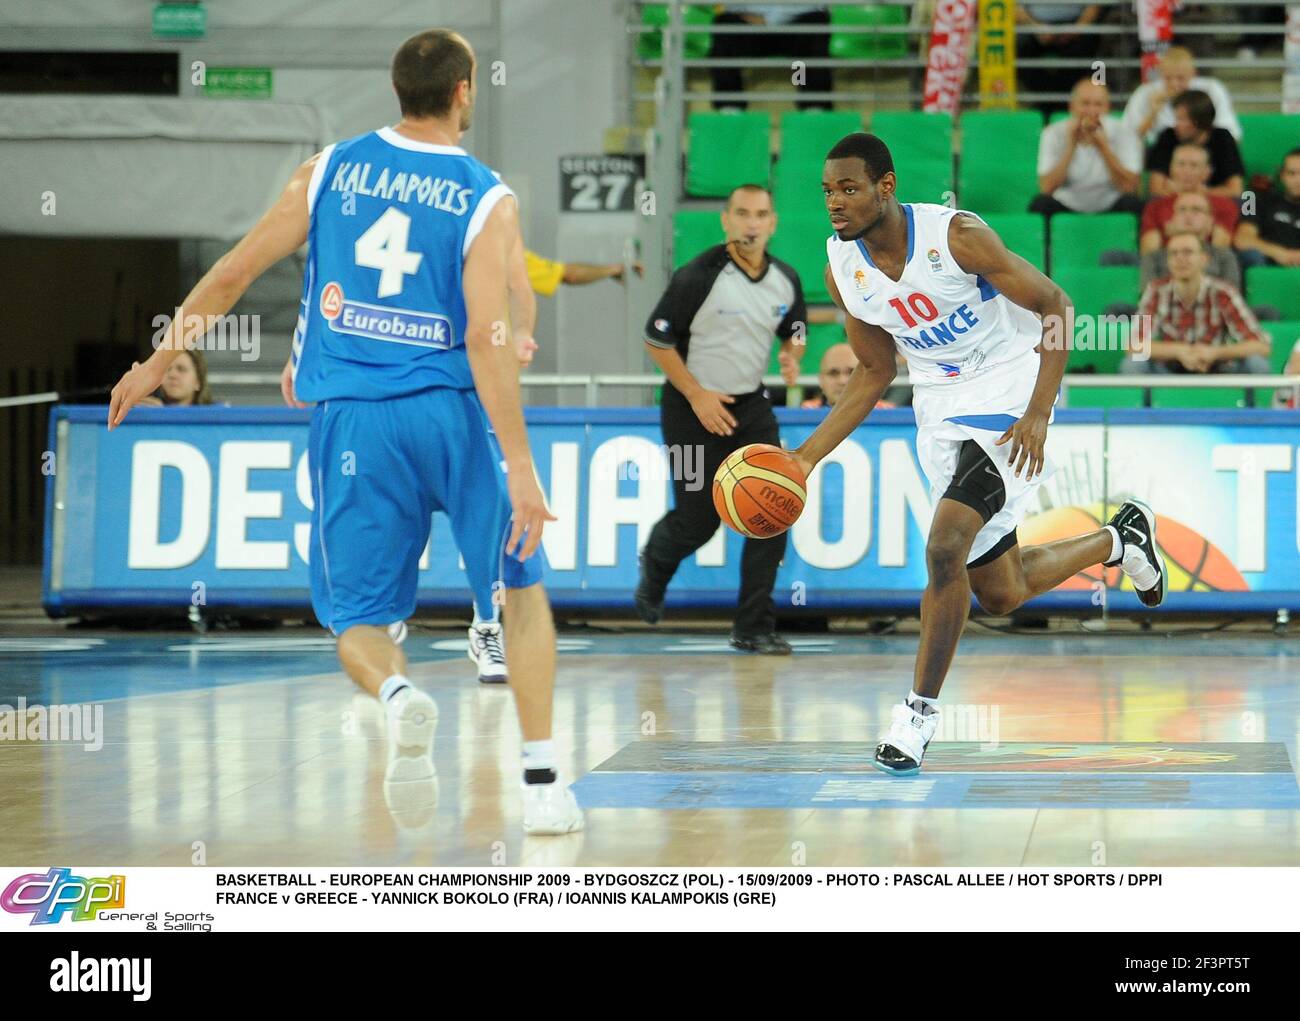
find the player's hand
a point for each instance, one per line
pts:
(529, 513)
(132, 388)
(805, 465)
(710, 408)
(789, 363)
(1027, 438)
(286, 386)
(524, 348)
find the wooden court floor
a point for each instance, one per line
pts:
(1065, 750)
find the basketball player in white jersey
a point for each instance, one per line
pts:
(971, 318)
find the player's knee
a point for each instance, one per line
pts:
(998, 601)
(945, 554)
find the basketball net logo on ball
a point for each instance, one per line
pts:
(759, 491)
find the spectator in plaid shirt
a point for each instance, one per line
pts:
(1196, 323)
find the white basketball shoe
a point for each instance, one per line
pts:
(410, 780)
(550, 809)
(901, 750)
(487, 652)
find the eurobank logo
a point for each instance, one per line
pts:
(48, 896)
(382, 322)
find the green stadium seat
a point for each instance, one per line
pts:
(1265, 139)
(868, 45)
(1104, 397)
(921, 144)
(800, 240)
(1278, 286)
(997, 170)
(809, 134)
(1078, 239)
(1093, 289)
(650, 45)
(806, 137)
(694, 230)
(726, 149)
(1198, 397)
(1023, 233)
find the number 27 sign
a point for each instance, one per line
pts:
(601, 184)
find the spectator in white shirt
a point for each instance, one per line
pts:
(1089, 162)
(1149, 111)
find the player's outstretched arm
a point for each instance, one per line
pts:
(978, 249)
(871, 377)
(495, 365)
(281, 231)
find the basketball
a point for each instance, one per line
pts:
(759, 491)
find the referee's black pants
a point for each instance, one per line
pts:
(693, 520)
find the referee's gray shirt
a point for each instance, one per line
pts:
(721, 321)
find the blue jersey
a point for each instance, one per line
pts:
(383, 310)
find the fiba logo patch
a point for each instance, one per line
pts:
(936, 261)
(331, 301)
(859, 280)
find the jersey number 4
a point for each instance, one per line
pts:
(383, 247)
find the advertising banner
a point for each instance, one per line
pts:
(212, 505)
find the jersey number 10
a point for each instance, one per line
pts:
(383, 247)
(919, 304)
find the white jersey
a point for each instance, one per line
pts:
(950, 325)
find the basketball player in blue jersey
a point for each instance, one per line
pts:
(404, 350)
(981, 331)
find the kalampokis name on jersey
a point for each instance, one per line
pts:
(380, 322)
(439, 192)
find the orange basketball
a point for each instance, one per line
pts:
(759, 491)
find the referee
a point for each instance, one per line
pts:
(711, 334)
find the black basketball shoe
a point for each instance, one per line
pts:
(1140, 559)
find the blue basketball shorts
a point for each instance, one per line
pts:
(379, 471)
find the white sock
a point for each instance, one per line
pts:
(539, 754)
(927, 705)
(1116, 545)
(392, 686)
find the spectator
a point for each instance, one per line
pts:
(184, 384)
(1195, 323)
(771, 44)
(1194, 122)
(1189, 170)
(1192, 216)
(1088, 163)
(1149, 110)
(546, 275)
(1055, 39)
(838, 363)
(1270, 235)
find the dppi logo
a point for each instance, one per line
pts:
(48, 897)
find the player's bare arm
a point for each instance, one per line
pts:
(979, 250)
(871, 377)
(281, 231)
(494, 364)
(523, 302)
